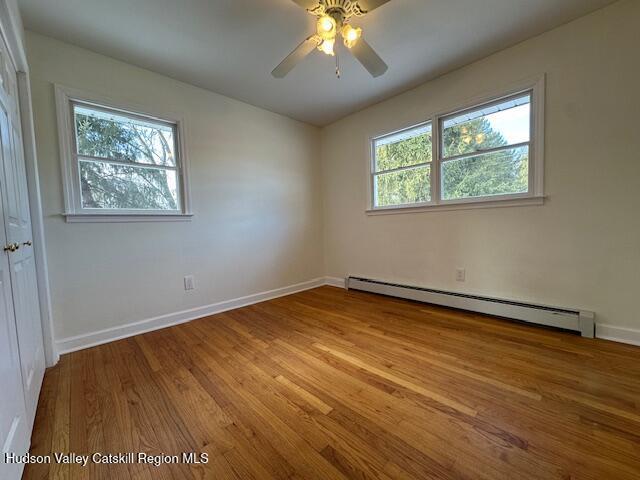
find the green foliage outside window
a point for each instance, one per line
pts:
(496, 173)
(120, 186)
(405, 186)
(484, 174)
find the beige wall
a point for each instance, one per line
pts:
(582, 248)
(255, 185)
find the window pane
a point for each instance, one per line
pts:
(119, 137)
(496, 173)
(403, 149)
(105, 185)
(507, 123)
(403, 187)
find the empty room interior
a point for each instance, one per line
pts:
(320, 239)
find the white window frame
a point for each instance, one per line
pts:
(66, 98)
(535, 193)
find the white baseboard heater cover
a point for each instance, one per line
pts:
(564, 318)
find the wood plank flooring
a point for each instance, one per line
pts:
(328, 384)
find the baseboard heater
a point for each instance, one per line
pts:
(564, 318)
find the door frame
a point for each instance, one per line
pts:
(12, 30)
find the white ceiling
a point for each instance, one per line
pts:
(231, 46)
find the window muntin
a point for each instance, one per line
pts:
(125, 162)
(483, 153)
(402, 167)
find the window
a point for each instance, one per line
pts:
(119, 163)
(402, 167)
(486, 154)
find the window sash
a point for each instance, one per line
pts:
(375, 143)
(479, 157)
(179, 198)
(425, 165)
(140, 118)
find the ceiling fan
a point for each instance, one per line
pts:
(333, 21)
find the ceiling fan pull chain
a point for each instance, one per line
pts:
(337, 66)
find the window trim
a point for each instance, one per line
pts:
(66, 98)
(535, 195)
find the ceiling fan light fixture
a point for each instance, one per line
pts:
(327, 46)
(351, 35)
(332, 19)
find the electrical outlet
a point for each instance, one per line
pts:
(460, 275)
(189, 283)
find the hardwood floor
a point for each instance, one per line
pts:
(328, 384)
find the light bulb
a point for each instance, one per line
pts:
(327, 47)
(327, 27)
(327, 24)
(351, 35)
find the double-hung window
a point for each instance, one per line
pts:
(119, 163)
(487, 154)
(402, 167)
(485, 151)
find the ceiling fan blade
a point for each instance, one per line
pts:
(368, 5)
(368, 57)
(307, 4)
(295, 57)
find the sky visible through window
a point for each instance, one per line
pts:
(510, 119)
(513, 124)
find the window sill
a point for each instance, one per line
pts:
(126, 217)
(464, 205)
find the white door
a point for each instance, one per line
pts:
(21, 346)
(15, 426)
(17, 223)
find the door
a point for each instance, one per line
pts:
(17, 225)
(21, 346)
(15, 425)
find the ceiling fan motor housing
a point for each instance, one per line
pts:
(343, 9)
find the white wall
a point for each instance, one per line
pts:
(255, 185)
(582, 248)
(259, 184)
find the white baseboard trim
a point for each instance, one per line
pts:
(335, 282)
(618, 334)
(80, 342)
